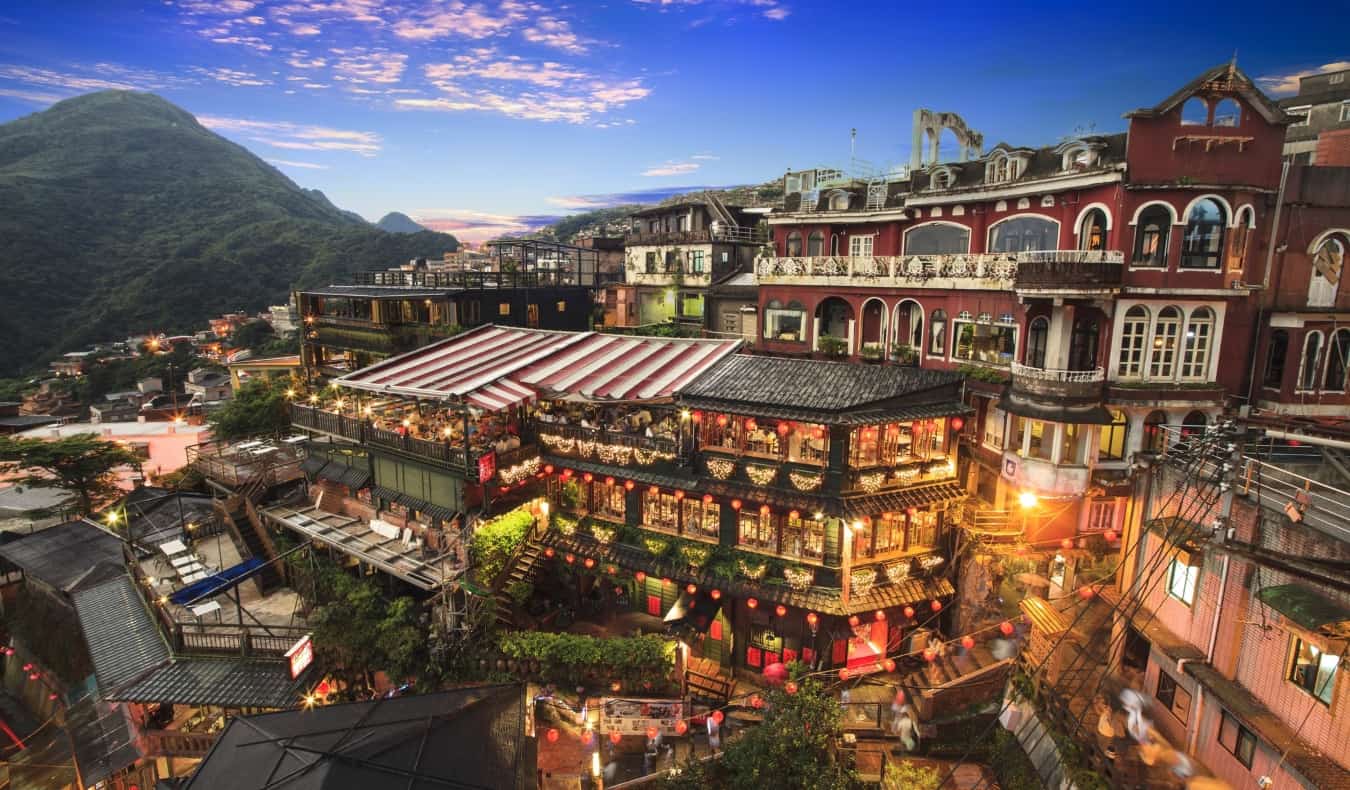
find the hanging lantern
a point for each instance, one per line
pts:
(899, 696)
(750, 424)
(881, 616)
(812, 618)
(1066, 543)
(609, 481)
(549, 552)
(611, 570)
(681, 727)
(52, 696)
(958, 423)
(853, 620)
(721, 421)
(930, 655)
(756, 701)
(818, 433)
(588, 477)
(571, 558)
(780, 610)
(911, 511)
(586, 737)
(640, 577)
(707, 499)
(790, 687)
(615, 686)
(1110, 535)
(589, 562)
(615, 737)
(548, 469)
(718, 716)
(764, 510)
(665, 580)
(888, 665)
(698, 416)
(552, 735)
(1086, 593)
(653, 490)
(651, 732)
(1006, 627)
(679, 495)
(566, 473)
(935, 605)
(968, 642)
(794, 515)
(844, 673)
(735, 504)
(628, 485)
(752, 602)
(909, 612)
(691, 589)
(27, 667)
(618, 591)
(33, 676)
(784, 428)
(716, 594)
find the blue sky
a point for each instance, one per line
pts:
(483, 117)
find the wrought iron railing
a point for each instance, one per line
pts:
(1059, 375)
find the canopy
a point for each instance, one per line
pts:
(1308, 609)
(693, 612)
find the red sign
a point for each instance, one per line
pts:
(487, 466)
(301, 655)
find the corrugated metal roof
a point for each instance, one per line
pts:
(124, 641)
(227, 682)
(60, 555)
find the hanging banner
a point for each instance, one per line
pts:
(634, 716)
(487, 466)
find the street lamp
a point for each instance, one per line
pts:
(1028, 500)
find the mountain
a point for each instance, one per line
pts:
(317, 194)
(395, 222)
(123, 214)
(613, 220)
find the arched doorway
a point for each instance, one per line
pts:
(909, 324)
(1085, 340)
(873, 332)
(833, 317)
(1155, 432)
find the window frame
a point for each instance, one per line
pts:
(1309, 370)
(775, 310)
(957, 325)
(1241, 736)
(1132, 357)
(1114, 433)
(937, 333)
(1337, 350)
(1197, 348)
(1278, 341)
(995, 237)
(1166, 691)
(792, 245)
(1204, 251)
(1162, 359)
(1153, 215)
(938, 228)
(1190, 586)
(1292, 667)
(1303, 112)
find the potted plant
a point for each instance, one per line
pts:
(872, 352)
(832, 346)
(905, 354)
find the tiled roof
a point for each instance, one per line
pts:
(894, 501)
(226, 682)
(124, 641)
(825, 390)
(1248, 91)
(470, 737)
(350, 476)
(60, 555)
(1065, 410)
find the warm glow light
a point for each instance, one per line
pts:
(684, 415)
(543, 509)
(313, 398)
(290, 393)
(1028, 500)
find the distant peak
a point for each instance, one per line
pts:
(398, 222)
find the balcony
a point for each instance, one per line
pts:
(985, 272)
(733, 234)
(174, 743)
(661, 275)
(611, 448)
(1069, 271)
(1056, 384)
(1044, 477)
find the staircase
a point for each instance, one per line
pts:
(240, 514)
(719, 209)
(520, 568)
(706, 682)
(977, 668)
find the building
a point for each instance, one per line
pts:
(285, 318)
(530, 283)
(225, 325)
(207, 385)
(73, 363)
(268, 368)
(611, 252)
(676, 254)
(1319, 110)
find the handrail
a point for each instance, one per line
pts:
(1060, 375)
(984, 265)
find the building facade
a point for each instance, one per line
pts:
(1321, 106)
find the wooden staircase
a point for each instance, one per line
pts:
(520, 568)
(952, 671)
(240, 514)
(706, 682)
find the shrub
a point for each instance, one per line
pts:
(832, 346)
(572, 659)
(910, 775)
(493, 542)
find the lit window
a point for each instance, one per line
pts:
(756, 530)
(785, 323)
(1314, 670)
(1150, 237)
(1237, 740)
(995, 421)
(1195, 352)
(1173, 697)
(1182, 578)
(1164, 356)
(987, 343)
(1133, 335)
(504, 308)
(562, 306)
(1111, 446)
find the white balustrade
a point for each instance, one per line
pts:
(906, 269)
(1058, 375)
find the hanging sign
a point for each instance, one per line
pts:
(487, 466)
(301, 655)
(634, 716)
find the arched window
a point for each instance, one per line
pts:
(1022, 234)
(1227, 113)
(1037, 333)
(1195, 112)
(839, 201)
(1163, 359)
(1155, 432)
(1202, 243)
(1092, 233)
(937, 333)
(1338, 361)
(794, 244)
(1194, 424)
(1237, 245)
(1195, 352)
(937, 239)
(1111, 446)
(1083, 344)
(834, 244)
(1133, 337)
(1150, 237)
(1312, 360)
(1327, 265)
(1277, 351)
(815, 243)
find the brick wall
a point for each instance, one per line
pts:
(1333, 149)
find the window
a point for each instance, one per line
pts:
(1133, 332)
(937, 333)
(1327, 265)
(839, 201)
(1083, 344)
(1336, 79)
(562, 305)
(1037, 332)
(937, 239)
(756, 529)
(1022, 234)
(1150, 237)
(1237, 740)
(1338, 361)
(1164, 353)
(1195, 352)
(1276, 353)
(995, 421)
(1314, 670)
(1155, 432)
(1111, 443)
(1092, 233)
(651, 263)
(1195, 112)
(1068, 444)
(1237, 245)
(1102, 515)
(1299, 114)
(696, 261)
(992, 344)
(1182, 578)
(815, 243)
(803, 538)
(1312, 358)
(1227, 113)
(504, 308)
(674, 261)
(1035, 439)
(702, 519)
(860, 246)
(1173, 697)
(785, 323)
(1202, 242)
(608, 499)
(794, 244)
(1345, 108)
(660, 511)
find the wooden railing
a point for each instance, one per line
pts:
(171, 743)
(229, 639)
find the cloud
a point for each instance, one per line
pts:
(305, 165)
(305, 30)
(302, 60)
(475, 226)
(234, 77)
(611, 199)
(371, 67)
(459, 19)
(1287, 82)
(483, 81)
(251, 42)
(671, 168)
(547, 74)
(557, 33)
(704, 157)
(34, 97)
(111, 76)
(769, 9)
(294, 136)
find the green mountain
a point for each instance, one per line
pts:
(396, 222)
(122, 214)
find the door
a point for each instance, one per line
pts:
(532, 316)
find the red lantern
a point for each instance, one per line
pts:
(935, 606)
(930, 655)
(651, 732)
(571, 558)
(752, 602)
(764, 510)
(958, 423)
(586, 737)
(1066, 543)
(794, 515)
(679, 495)
(698, 416)
(52, 696)
(780, 610)
(566, 473)
(911, 511)
(750, 424)
(552, 735)
(1006, 627)
(968, 642)
(1110, 535)
(790, 687)
(653, 490)
(628, 485)
(27, 667)
(1086, 593)
(756, 701)
(549, 552)
(609, 481)
(844, 673)
(784, 429)
(618, 591)
(718, 716)
(721, 421)
(588, 562)
(681, 727)
(33, 676)
(716, 594)
(909, 612)
(614, 736)
(899, 696)
(812, 619)
(707, 499)
(888, 665)
(691, 589)
(775, 673)
(735, 504)
(640, 576)
(881, 616)
(853, 620)
(588, 477)
(818, 433)
(611, 570)
(665, 580)
(548, 469)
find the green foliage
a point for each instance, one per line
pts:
(494, 541)
(572, 659)
(832, 346)
(357, 630)
(994, 746)
(520, 591)
(872, 351)
(252, 334)
(905, 354)
(259, 407)
(910, 775)
(981, 373)
(793, 748)
(124, 214)
(82, 464)
(119, 375)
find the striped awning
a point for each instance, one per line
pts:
(495, 368)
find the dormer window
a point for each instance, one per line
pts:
(943, 178)
(839, 200)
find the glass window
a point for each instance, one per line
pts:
(862, 538)
(1300, 114)
(703, 519)
(785, 323)
(815, 243)
(1338, 361)
(1195, 353)
(992, 344)
(1237, 740)
(1036, 437)
(659, 511)
(1276, 352)
(1083, 344)
(1092, 233)
(803, 538)
(1155, 432)
(1173, 697)
(1022, 234)
(1312, 358)
(651, 263)
(504, 308)
(1111, 444)
(794, 244)
(1314, 670)
(696, 261)
(1164, 356)
(860, 246)
(937, 239)
(756, 529)
(995, 421)
(1182, 577)
(922, 530)
(1068, 444)
(1133, 332)
(1202, 243)
(937, 333)
(1150, 237)
(1037, 332)
(608, 500)
(890, 532)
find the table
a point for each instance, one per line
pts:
(295, 439)
(248, 445)
(172, 547)
(204, 609)
(182, 562)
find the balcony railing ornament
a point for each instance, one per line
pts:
(862, 580)
(695, 556)
(720, 468)
(761, 475)
(805, 481)
(649, 457)
(871, 482)
(1059, 375)
(655, 546)
(603, 534)
(752, 570)
(799, 579)
(897, 571)
(514, 474)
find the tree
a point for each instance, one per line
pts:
(910, 775)
(82, 464)
(259, 407)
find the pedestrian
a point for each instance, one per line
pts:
(714, 735)
(906, 729)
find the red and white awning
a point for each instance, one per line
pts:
(495, 368)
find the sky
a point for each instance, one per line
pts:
(482, 118)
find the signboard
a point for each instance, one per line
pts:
(487, 466)
(634, 716)
(301, 655)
